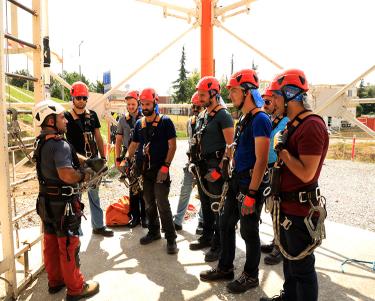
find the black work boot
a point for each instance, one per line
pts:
(172, 246)
(267, 248)
(216, 274)
(212, 255)
(104, 231)
(55, 289)
(280, 297)
(134, 223)
(199, 230)
(242, 284)
(275, 257)
(199, 244)
(177, 227)
(149, 238)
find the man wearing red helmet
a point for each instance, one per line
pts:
(155, 138)
(244, 197)
(297, 207)
(124, 134)
(187, 183)
(214, 131)
(84, 134)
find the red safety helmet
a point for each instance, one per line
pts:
(132, 94)
(210, 84)
(267, 92)
(291, 77)
(148, 94)
(79, 89)
(246, 78)
(195, 99)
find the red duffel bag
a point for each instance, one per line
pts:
(117, 213)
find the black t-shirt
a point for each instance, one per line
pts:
(75, 129)
(164, 131)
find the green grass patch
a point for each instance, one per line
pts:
(364, 152)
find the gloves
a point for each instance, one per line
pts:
(89, 174)
(96, 164)
(212, 175)
(279, 142)
(162, 174)
(248, 204)
(125, 167)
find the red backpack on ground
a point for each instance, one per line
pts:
(117, 213)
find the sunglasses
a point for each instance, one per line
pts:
(81, 98)
(267, 102)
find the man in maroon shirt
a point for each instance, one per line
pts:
(301, 149)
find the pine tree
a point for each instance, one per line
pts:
(180, 86)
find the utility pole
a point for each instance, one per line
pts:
(79, 58)
(62, 74)
(231, 64)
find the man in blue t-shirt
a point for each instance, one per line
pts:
(244, 198)
(279, 121)
(155, 139)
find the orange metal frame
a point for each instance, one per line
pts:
(207, 39)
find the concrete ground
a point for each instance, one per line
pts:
(128, 271)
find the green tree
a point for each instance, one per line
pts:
(367, 91)
(180, 86)
(98, 87)
(70, 77)
(223, 90)
(22, 83)
(191, 83)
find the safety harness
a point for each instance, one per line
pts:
(70, 220)
(91, 148)
(197, 157)
(134, 182)
(314, 221)
(148, 133)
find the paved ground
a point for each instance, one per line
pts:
(128, 271)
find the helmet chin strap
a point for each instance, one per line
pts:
(245, 93)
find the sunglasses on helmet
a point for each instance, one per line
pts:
(81, 98)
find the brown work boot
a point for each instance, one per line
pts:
(90, 288)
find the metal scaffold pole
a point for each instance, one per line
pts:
(7, 263)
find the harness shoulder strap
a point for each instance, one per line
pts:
(297, 121)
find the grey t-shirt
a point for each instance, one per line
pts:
(55, 154)
(213, 138)
(123, 128)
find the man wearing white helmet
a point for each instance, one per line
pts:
(58, 203)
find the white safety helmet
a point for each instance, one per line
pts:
(44, 108)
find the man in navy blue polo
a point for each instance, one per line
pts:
(155, 139)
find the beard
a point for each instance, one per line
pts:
(147, 112)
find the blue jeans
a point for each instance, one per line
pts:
(183, 202)
(96, 211)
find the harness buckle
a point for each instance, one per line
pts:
(72, 190)
(301, 197)
(286, 223)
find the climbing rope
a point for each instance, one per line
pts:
(316, 232)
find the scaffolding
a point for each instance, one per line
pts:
(205, 15)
